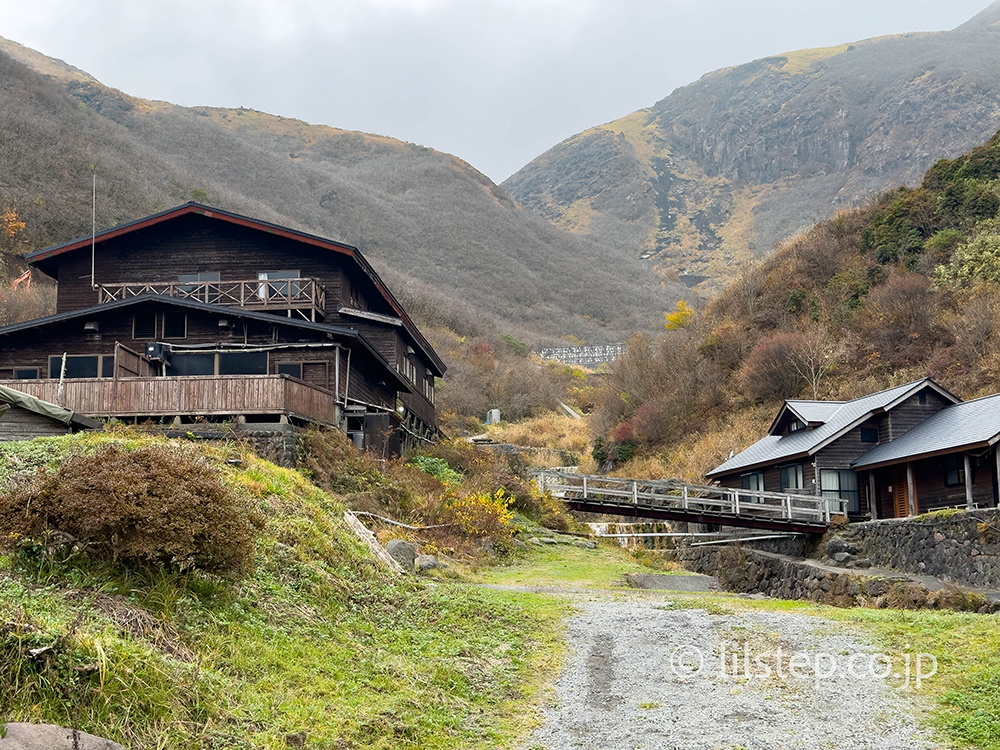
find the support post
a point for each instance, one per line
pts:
(635, 492)
(584, 487)
(684, 494)
(968, 481)
(872, 498)
(911, 489)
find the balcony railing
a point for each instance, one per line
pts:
(210, 395)
(306, 297)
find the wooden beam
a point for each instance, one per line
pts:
(968, 481)
(911, 488)
(872, 498)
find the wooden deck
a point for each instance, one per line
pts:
(212, 395)
(671, 500)
(306, 296)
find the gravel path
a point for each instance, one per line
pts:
(631, 684)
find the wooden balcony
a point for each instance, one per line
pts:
(230, 396)
(304, 297)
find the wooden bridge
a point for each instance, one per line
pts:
(671, 500)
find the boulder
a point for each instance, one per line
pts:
(51, 737)
(402, 552)
(426, 562)
(585, 544)
(837, 545)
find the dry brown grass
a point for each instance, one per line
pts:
(551, 430)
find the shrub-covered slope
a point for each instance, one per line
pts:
(907, 287)
(723, 168)
(307, 644)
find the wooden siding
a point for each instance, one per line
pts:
(21, 424)
(231, 395)
(909, 414)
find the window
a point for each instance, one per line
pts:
(954, 471)
(83, 366)
(192, 363)
(293, 369)
(200, 290)
(429, 388)
(25, 373)
(841, 484)
(243, 363)
(278, 290)
(796, 425)
(174, 325)
(144, 326)
(791, 477)
(922, 398)
(409, 370)
(869, 435)
(752, 481)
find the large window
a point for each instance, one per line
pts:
(752, 481)
(791, 477)
(217, 363)
(841, 484)
(25, 373)
(83, 366)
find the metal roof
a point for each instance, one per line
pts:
(965, 425)
(844, 417)
(219, 310)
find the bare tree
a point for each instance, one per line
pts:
(814, 357)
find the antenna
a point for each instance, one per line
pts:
(93, 231)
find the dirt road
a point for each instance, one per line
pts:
(643, 675)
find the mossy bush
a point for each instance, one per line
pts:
(160, 505)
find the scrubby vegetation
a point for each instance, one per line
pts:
(311, 645)
(902, 288)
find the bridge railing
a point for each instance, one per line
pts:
(670, 493)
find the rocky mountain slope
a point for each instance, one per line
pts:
(455, 246)
(721, 169)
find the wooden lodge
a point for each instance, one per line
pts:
(199, 314)
(899, 452)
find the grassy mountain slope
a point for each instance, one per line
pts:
(721, 169)
(315, 646)
(905, 287)
(439, 229)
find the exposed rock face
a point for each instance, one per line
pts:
(723, 168)
(51, 737)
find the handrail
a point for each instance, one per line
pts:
(249, 293)
(788, 506)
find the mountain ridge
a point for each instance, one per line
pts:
(721, 169)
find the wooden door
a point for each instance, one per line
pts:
(900, 494)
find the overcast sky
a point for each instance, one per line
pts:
(496, 82)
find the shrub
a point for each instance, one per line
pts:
(158, 505)
(437, 468)
(484, 515)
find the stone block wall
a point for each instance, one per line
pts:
(279, 443)
(958, 546)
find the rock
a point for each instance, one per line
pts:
(861, 562)
(547, 540)
(426, 562)
(837, 545)
(51, 737)
(842, 556)
(876, 586)
(402, 552)
(534, 541)
(585, 544)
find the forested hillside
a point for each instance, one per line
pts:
(906, 287)
(452, 243)
(720, 170)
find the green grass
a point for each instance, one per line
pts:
(316, 640)
(566, 566)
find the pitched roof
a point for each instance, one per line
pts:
(965, 425)
(219, 310)
(47, 409)
(843, 418)
(38, 257)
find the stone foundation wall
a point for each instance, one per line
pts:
(748, 571)
(956, 546)
(279, 443)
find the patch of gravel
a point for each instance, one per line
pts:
(630, 684)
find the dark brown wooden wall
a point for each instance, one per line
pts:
(21, 424)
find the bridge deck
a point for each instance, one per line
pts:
(671, 500)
